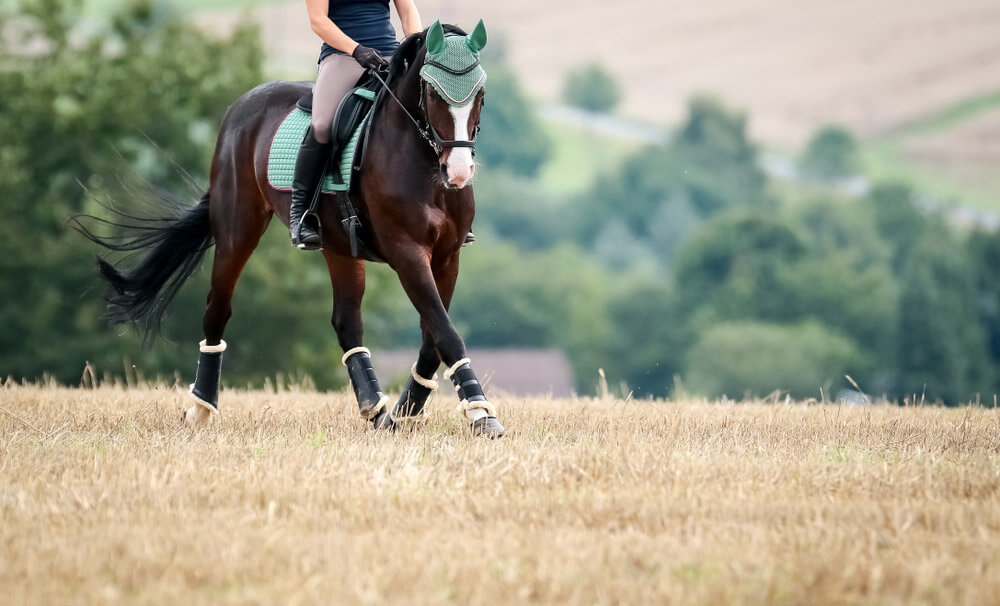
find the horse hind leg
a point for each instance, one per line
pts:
(422, 383)
(347, 276)
(240, 233)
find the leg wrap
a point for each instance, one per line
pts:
(206, 380)
(371, 400)
(470, 392)
(411, 403)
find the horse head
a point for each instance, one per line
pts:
(451, 97)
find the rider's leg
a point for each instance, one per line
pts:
(337, 75)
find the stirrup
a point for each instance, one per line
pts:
(304, 237)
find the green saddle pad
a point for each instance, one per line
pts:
(285, 148)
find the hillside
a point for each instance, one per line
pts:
(872, 65)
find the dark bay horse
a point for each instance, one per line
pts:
(413, 199)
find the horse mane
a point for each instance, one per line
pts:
(406, 55)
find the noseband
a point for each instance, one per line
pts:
(424, 126)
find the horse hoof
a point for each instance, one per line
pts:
(370, 409)
(488, 427)
(197, 416)
(383, 421)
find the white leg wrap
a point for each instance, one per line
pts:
(201, 402)
(430, 383)
(382, 403)
(206, 348)
(455, 367)
(351, 352)
(423, 415)
(476, 410)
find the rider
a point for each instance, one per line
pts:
(357, 35)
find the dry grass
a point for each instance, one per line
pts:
(104, 497)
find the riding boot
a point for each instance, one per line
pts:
(309, 166)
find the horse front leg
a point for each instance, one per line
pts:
(348, 279)
(430, 292)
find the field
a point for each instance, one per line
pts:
(105, 497)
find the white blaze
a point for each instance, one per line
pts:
(460, 163)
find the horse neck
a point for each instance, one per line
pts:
(407, 90)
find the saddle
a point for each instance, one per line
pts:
(351, 125)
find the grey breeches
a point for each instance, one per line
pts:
(336, 76)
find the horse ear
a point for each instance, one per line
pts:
(477, 40)
(435, 38)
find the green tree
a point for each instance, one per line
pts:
(941, 348)
(710, 166)
(754, 359)
(832, 153)
(512, 137)
(80, 107)
(592, 88)
(553, 298)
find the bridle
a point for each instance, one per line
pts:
(424, 126)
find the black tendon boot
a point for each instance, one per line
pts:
(410, 405)
(309, 166)
(371, 400)
(472, 397)
(206, 380)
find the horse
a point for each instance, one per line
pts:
(414, 200)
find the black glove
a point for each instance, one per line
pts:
(368, 58)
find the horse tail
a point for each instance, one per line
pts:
(174, 247)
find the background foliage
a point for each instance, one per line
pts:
(683, 264)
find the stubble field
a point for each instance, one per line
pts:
(105, 497)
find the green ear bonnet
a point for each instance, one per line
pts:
(452, 64)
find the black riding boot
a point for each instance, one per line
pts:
(309, 165)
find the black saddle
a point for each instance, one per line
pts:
(351, 112)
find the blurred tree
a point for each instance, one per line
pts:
(832, 153)
(941, 347)
(647, 340)
(512, 138)
(897, 219)
(554, 298)
(755, 359)
(984, 255)
(592, 88)
(709, 167)
(76, 108)
(736, 267)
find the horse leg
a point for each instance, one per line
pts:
(422, 383)
(421, 285)
(423, 373)
(348, 279)
(237, 234)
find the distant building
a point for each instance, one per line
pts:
(516, 372)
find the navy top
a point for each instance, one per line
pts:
(366, 21)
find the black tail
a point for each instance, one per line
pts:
(176, 245)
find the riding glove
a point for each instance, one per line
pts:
(368, 58)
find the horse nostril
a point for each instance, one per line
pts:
(444, 169)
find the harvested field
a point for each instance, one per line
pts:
(105, 498)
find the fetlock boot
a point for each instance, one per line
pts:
(371, 400)
(309, 166)
(473, 403)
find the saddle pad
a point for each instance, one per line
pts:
(285, 148)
